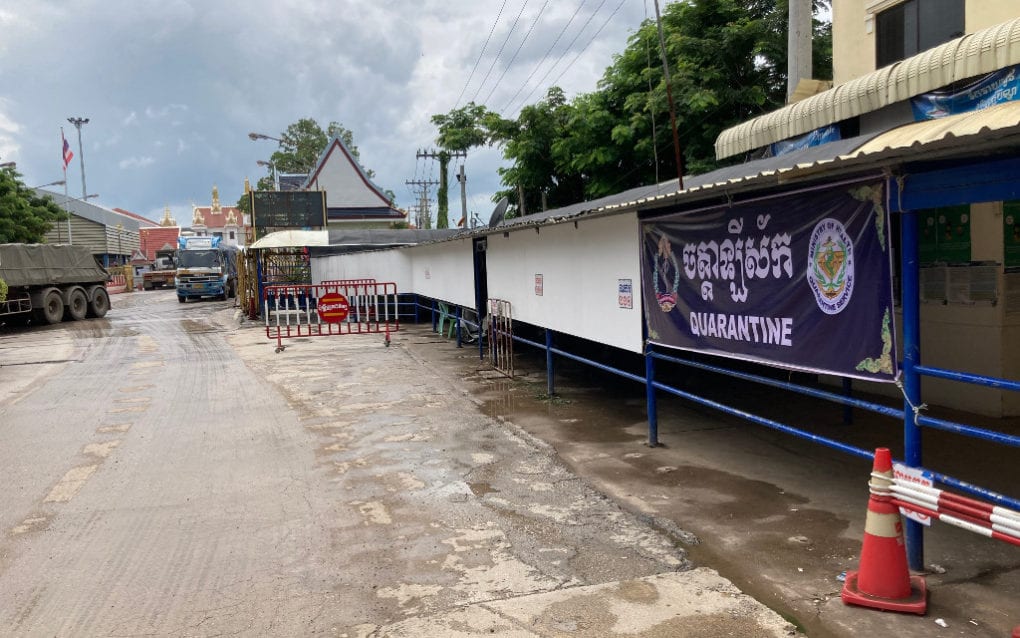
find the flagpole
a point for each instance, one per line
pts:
(67, 210)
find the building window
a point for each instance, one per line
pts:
(232, 235)
(915, 26)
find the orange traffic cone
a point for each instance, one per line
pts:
(883, 580)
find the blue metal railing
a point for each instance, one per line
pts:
(904, 414)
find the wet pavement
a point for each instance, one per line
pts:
(781, 517)
(170, 475)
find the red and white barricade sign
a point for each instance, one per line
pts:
(334, 307)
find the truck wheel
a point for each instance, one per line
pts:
(100, 303)
(181, 298)
(232, 290)
(77, 305)
(52, 309)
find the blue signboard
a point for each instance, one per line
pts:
(801, 281)
(817, 137)
(994, 88)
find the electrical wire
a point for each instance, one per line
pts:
(576, 36)
(500, 52)
(544, 58)
(481, 53)
(519, 47)
(604, 24)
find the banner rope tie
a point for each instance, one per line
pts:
(916, 408)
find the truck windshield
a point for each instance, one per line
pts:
(199, 259)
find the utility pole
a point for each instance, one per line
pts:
(444, 156)
(78, 123)
(798, 45)
(462, 178)
(423, 184)
(672, 108)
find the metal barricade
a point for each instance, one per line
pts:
(344, 282)
(501, 336)
(330, 309)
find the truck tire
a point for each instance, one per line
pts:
(232, 289)
(146, 285)
(99, 305)
(181, 298)
(52, 308)
(77, 305)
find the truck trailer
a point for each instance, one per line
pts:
(164, 270)
(49, 283)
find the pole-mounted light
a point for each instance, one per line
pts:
(78, 123)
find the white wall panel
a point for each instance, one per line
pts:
(382, 265)
(581, 270)
(445, 270)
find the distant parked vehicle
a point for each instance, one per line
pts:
(164, 270)
(49, 283)
(205, 268)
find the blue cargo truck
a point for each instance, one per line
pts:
(205, 268)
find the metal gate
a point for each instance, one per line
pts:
(330, 309)
(501, 336)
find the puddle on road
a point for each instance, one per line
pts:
(192, 326)
(481, 489)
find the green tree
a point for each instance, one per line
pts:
(727, 64)
(462, 129)
(25, 217)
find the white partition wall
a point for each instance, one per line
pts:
(576, 280)
(445, 270)
(388, 265)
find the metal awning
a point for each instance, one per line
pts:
(975, 134)
(293, 239)
(970, 56)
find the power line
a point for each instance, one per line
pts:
(544, 57)
(604, 24)
(500, 52)
(519, 47)
(481, 53)
(576, 36)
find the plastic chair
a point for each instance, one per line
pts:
(444, 316)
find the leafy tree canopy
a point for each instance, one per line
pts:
(24, 216)
(727, 64)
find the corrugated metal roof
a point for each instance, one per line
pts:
(965, 135)
(998, 124)
(730, 175)
(90, 211)
(970, 56)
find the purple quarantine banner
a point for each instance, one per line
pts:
(800, 281)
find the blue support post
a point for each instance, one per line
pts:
(433, 315)
(653, 410)
(549, 371)
(457, 319)
(417, 303)
(910, 302)
(261, 286)
(848, 392)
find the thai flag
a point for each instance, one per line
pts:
(68, 155)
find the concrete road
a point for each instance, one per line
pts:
(167, 474)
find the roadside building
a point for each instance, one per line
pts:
(216, 220)
(110, 235)
(353, 201)
(907, 74)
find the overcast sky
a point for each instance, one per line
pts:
(173, 87)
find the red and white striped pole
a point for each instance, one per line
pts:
(991, 521)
